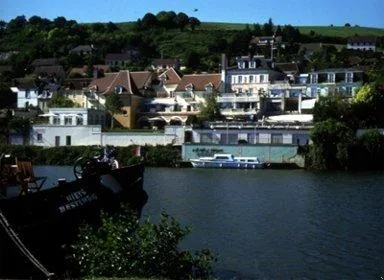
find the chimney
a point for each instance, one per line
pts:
(224, 62)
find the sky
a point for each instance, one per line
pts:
(368, 13)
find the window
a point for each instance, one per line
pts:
(261, 78)
(39, 137)
(68, 140)
(277, 138)
(331, 78)
(57, 141)
(349, 77)
(348, 90)
(245, 80)
(240, 79)
(27, 94)
(79, 121)
(250, 79)
(314, 78)
(56, 120)
(67, 120)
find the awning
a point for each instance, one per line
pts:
(48, 115)
(163, 101)
(308, 104)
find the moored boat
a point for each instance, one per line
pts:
(227, 161)
(42, 224)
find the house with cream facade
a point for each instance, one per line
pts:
(184, 101)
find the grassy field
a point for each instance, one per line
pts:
(333, 31)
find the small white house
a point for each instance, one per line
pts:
(27, 92)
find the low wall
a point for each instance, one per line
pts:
(268, 153)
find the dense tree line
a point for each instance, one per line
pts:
(345, 133)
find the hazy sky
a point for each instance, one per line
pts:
(295, 12)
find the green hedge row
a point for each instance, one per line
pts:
(153, 156)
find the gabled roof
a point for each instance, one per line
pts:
(53, 69)
(118, 56)
(165, 61)
(77, 84)
(141, 79)
(287, 67)
(83, 70)
(24, 83)
(337, 70)
(199, 81)
(170, 77)
(82, 48)
(45, 62)
(110, 81)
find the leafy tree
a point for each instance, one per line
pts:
(181, 20)
(113, 104)
(371, 150)
(363, 94)
(163, 156)
(193, 23)
(192, 59)
(268, 28)
(331, 107)
(58, 100)
(15, 25)
(149, 21)
(210, 111)
(166, 19)
(111, 27)
(332, 141)
(122, 247)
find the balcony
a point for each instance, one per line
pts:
(238, 98)
(238, 111)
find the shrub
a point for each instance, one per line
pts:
(122, 247)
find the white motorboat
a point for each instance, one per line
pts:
(227, 161)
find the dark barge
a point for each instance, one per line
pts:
(37, 228)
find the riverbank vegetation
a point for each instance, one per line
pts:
(152, 156)
(346, 132)
(122, 247)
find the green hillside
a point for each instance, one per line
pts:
(331, 31)
(341, 31)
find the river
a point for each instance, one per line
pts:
(274, 224)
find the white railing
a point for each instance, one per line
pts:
(233, 98)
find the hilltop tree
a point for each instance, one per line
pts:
(193, 23)
(166, 19)
(149, 21)
(268, 28)
(181, 20)
(113, 104)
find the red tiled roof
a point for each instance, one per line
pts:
(111, 80)
(141, 79)
(170, 77)
(200, 81)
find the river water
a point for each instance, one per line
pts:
(274, 224)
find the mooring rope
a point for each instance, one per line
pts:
(16, 240)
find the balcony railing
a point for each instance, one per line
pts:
(238, 111)
(233, 98)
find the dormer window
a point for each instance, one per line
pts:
(209, 88)
(119, 89)
(189, 87)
